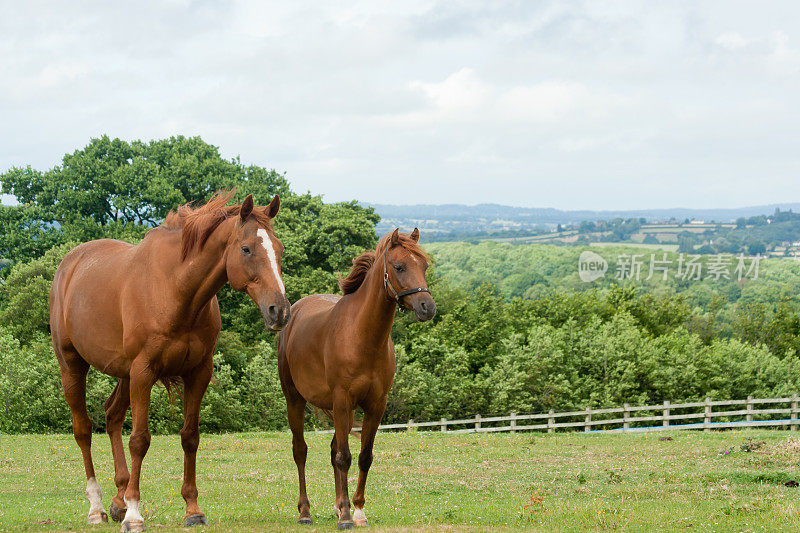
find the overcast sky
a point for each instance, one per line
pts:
(574, 105)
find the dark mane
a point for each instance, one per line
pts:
(198, 223)
(363, 263)
(361, 266)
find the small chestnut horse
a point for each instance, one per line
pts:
(337, 354)
(149, 312)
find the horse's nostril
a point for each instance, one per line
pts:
(424, 306)
(273, 312)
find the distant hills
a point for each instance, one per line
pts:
(457, 221)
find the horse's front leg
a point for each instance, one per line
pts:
(372, 419)
(340, 455)
(195, 385)
(142, 380)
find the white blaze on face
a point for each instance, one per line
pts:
(266, 242)
(95, 497)
(132, 514)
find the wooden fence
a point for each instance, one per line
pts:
(738, 413)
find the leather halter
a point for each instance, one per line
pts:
(397, 296)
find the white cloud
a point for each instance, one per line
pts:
(460, 92)
(732, 41)
(574, 105)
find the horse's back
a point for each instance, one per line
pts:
(86, 265)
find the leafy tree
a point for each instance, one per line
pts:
(114, 188)
(25, 294)
(137, 182)
(26, 231)
(756, 248)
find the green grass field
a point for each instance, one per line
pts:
(564, 482)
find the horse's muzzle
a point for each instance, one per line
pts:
(424, 308)
(276, 315)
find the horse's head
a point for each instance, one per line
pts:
(404, 265)
(253, 261)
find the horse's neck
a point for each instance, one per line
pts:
(375, 310)
(202, 274)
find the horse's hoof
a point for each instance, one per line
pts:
(117, 514)
(360, 519)
(305, 521)
(195, 520)
(348, 524)
(99, 517)
(133, 525)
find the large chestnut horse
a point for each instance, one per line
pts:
(337, 354)
(149, 312)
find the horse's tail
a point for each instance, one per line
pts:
(173, 384)
(327, 413)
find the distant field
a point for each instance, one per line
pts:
(665, 247)
(566, 482)
(534, 270)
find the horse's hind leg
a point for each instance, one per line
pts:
(116, 409)
(372, 419)
(73, 380)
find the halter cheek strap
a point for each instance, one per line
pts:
(397, 296)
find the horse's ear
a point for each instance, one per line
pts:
(247, 207)
(274, 206)
(395, 238)
(415, 235)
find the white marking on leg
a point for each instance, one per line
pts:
(266, 242)
(132, 515)
(360, 518)
(95, 497)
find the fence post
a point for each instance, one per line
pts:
(550, 422)
(444, 424)
(626, 417)
(665, 419)
(513, 423)
(749, 408)
(794, 411)
(587, 425)
(477, 421)
(707, 418)
(410, 422)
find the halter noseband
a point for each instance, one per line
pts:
(397, 296)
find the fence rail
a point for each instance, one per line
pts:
(630, 420)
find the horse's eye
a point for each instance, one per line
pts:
(400, 268)
(245, 250)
